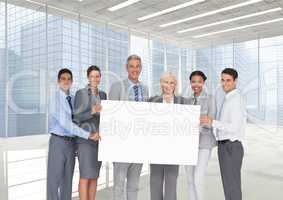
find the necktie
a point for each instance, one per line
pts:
(69, 99)
(136, 91)
(195, 100)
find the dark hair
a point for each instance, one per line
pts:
(230, 71)
(63, 71)
(93, 68)
(198, 73)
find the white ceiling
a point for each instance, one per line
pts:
(127, 17)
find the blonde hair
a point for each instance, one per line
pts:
(164, 76)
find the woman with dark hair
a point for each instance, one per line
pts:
(207, 140)
(86, 114)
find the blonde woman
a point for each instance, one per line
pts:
(165, 175)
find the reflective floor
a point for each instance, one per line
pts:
(262, 170)
(23, 172)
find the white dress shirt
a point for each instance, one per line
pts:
(171, 101)
(231, 122)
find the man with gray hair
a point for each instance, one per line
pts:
(130, 89)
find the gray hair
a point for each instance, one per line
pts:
(133, 57)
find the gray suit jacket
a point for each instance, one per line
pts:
(121, 91)
(207, 107)
(82, 110)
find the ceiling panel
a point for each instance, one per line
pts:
(98, 9)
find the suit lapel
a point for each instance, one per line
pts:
(101, 96)
(175, 99)
(160, 99)
(125, 89)
(178, 100)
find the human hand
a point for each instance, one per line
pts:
(95, 136)
(206, 120)
(96, 108)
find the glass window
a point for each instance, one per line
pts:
(172, 60)
(93, 50)
(187, 66)
(246, 63)
(140, 46)
(3, 70)
(27, 65)
(222, 58)
(158, 65)
(204, 63)
(271, 65)
(118, 50)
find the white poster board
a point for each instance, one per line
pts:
(142, 132)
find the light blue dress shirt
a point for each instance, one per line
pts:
(132, 91)
(60, 117)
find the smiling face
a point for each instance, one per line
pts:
(197, 84)
(134, 69)
(168, 85)
(94, 78)
(65, 82)
(228, 83)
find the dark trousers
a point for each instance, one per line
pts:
(230, 155)
(60, 169)
(163, 175)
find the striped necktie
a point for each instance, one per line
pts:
(195, 100)
(136, 91)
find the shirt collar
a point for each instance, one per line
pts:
(202, 94)
(63, 94)
(132, 83)
(231, 93)
(89, 89)
(172, 99)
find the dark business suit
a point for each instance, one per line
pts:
(87, 149)
(164, 174)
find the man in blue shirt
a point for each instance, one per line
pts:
(61, 155)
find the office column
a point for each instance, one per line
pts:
(3, 175)
(279, 95)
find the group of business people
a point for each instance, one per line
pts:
(74, 129)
